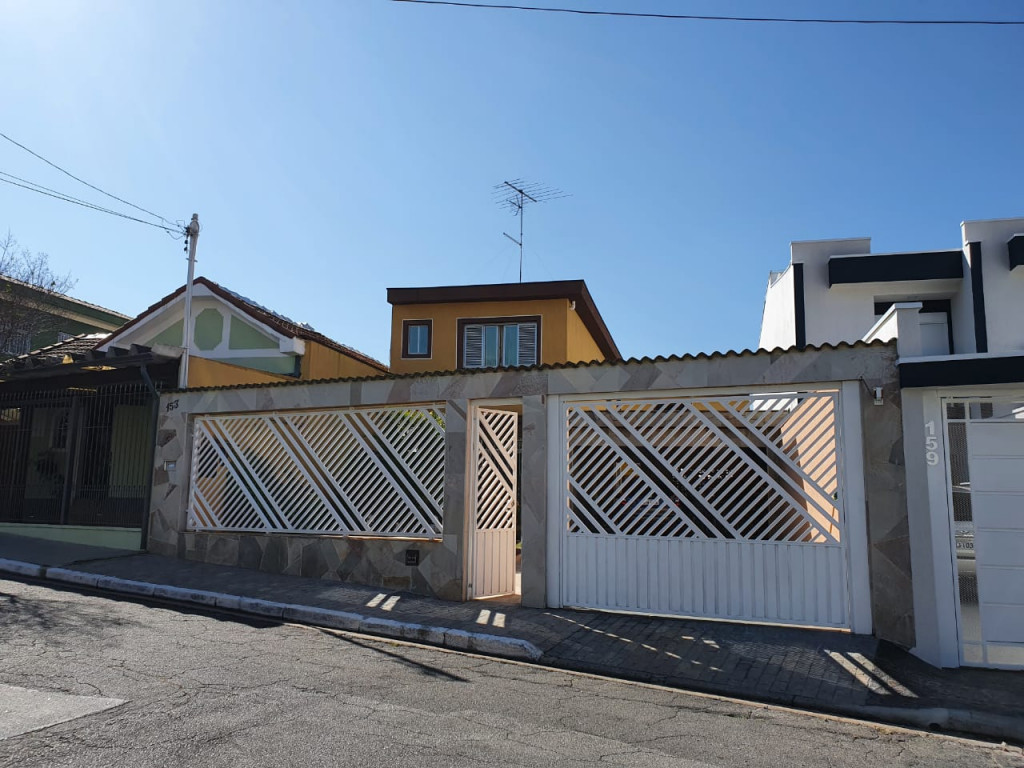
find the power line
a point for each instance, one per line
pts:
(752, 19)
(82, 181)
(33, 187)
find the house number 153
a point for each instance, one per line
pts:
(931, 444)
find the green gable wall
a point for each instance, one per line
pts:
(244, 336)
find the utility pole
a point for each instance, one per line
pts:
(516, 195)
(192, 238)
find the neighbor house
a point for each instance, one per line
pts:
(32, 317)
(78, 418)
(957, 318)
(237, 341)
(503, 325)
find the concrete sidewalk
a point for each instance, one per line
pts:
(825, 671)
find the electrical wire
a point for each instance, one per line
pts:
(33, 187)
(751, 19)
(82, 181)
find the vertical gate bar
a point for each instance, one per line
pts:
(154, 416)
(70, 460)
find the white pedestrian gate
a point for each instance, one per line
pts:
(344, 470)
(986, 465)
(493, 552)
(719, 507)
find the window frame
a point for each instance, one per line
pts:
(406, 325)
(460, 346)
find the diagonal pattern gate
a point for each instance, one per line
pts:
(709, 506)
(494, 539)
(358, 470)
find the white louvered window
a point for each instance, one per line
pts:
(505, 344)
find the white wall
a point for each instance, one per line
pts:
(1004, 289)
(844, 313)
(778, 324)
(930, 539)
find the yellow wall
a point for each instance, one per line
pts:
(319, 362)
(580, 345)
(322, 362)
(213, 373)
(563, 335)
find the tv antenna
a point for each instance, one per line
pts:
(515, 195)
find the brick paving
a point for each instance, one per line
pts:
(824, 670)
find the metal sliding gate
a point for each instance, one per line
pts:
(718, 507)
(356, 470)
(985, 466)
(77, 455)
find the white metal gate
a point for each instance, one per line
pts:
(493, 552)
(719, 507)
(986, 470)
(356, 470)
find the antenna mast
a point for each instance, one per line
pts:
(516, 195)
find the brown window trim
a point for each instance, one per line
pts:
(464, 321)
(405, 339)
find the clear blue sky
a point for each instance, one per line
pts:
(334, 149)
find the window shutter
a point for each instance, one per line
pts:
(473, 346)
(528, 344)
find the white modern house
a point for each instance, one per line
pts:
(958, 318)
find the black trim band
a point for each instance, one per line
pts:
(959, 373)
(894, 267)
(978, 298)
(799, 310)
(1015, 245)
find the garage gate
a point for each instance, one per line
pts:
(719, 507)
(985, 455)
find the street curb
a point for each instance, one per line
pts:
(22, 569)
(456, 639)
(961, 720)
(964, 722)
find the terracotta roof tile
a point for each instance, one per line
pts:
(278, 322)
(75, 347)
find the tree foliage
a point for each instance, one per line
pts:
(28, 287)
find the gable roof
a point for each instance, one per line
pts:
(571, 290)
(283, 325)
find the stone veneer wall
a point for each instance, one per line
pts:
(380, 562)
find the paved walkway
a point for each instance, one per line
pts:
(822, 670)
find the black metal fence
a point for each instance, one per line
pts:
(77, 455)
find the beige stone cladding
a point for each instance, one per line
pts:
(440, 572)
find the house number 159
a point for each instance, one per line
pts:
(931, 444)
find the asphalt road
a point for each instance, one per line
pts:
(151, 685)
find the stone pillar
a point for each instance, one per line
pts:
(533, 501)
(169, 497)
(456, 490)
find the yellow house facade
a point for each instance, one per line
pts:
(496, 326)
